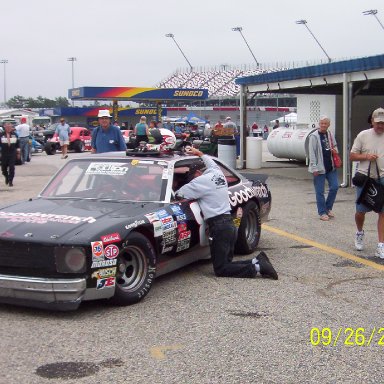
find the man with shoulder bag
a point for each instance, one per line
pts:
(368, 149)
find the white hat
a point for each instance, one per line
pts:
(228, 118)
(104, 113)
(378, 115)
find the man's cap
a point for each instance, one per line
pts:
(62, 119)
(378, 115)
(23, 120)
(104, 113)
(196, 166)
(228, 118)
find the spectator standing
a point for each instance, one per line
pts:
(368, 148)
(106, 137)
(23, 131)
(64, 131)
(231, 128)
(255, 128)
(277, 124)
(321, 144)
(116, 124)
(10, 151)
(141, 130)
(207, 129)
(209, 186)
(265, 132)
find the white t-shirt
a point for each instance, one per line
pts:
(368, 141)
(23, 130)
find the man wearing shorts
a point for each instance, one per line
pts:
(63, 131)
(367, 148)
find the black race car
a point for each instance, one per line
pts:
(106, 225)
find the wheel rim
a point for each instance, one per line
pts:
(251, 230)
(132, 269)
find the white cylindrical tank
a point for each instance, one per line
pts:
(254, 152)
(289, 143)
(226, 151)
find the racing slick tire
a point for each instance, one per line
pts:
(248, 234)
(136, 270)
(78, 146)
(50, 149)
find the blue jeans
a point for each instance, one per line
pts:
(223, 234)
(24, 148)
(325, 205)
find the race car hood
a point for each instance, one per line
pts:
(75, 221)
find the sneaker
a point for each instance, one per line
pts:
(330, 214)
(359, 241)
(11, 184)
(324, 217)
(266, 268)
(380, 250)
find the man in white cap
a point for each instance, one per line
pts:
(368, 148)
(107, 137)
(230, 126)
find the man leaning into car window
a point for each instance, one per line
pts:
(107, 137)
(209, 187)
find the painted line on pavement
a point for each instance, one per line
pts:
(324, 247)
(159, 352)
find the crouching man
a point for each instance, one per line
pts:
(209, 187)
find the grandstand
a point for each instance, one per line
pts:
(220, 80)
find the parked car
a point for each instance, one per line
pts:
(107, 224)
(79, 141)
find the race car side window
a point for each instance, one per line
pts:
(231, 178)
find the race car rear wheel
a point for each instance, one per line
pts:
(136, 270)
(249, 231)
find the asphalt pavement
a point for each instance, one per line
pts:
(321, 322)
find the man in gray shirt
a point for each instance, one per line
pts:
(209, 187)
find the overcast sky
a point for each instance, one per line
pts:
(123, 43)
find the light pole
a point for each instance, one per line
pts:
(172, 36)
(304, 22)
(373, 12)
(239, 29)
(5, 61)
(72, 59)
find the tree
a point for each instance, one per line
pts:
(40, 102)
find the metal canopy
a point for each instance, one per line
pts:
(367, 73)
(362, 76)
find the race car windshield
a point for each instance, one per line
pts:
(134, 180)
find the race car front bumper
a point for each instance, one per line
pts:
(58, 294)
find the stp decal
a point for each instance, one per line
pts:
(111, 251)
(97, 250)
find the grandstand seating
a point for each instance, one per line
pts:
(220, 82)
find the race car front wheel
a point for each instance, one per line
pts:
(248, 235)
(136, 270)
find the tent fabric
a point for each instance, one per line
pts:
(191, 118)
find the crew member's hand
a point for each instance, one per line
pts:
(316, 173)
(193, 151)
(371, 156)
